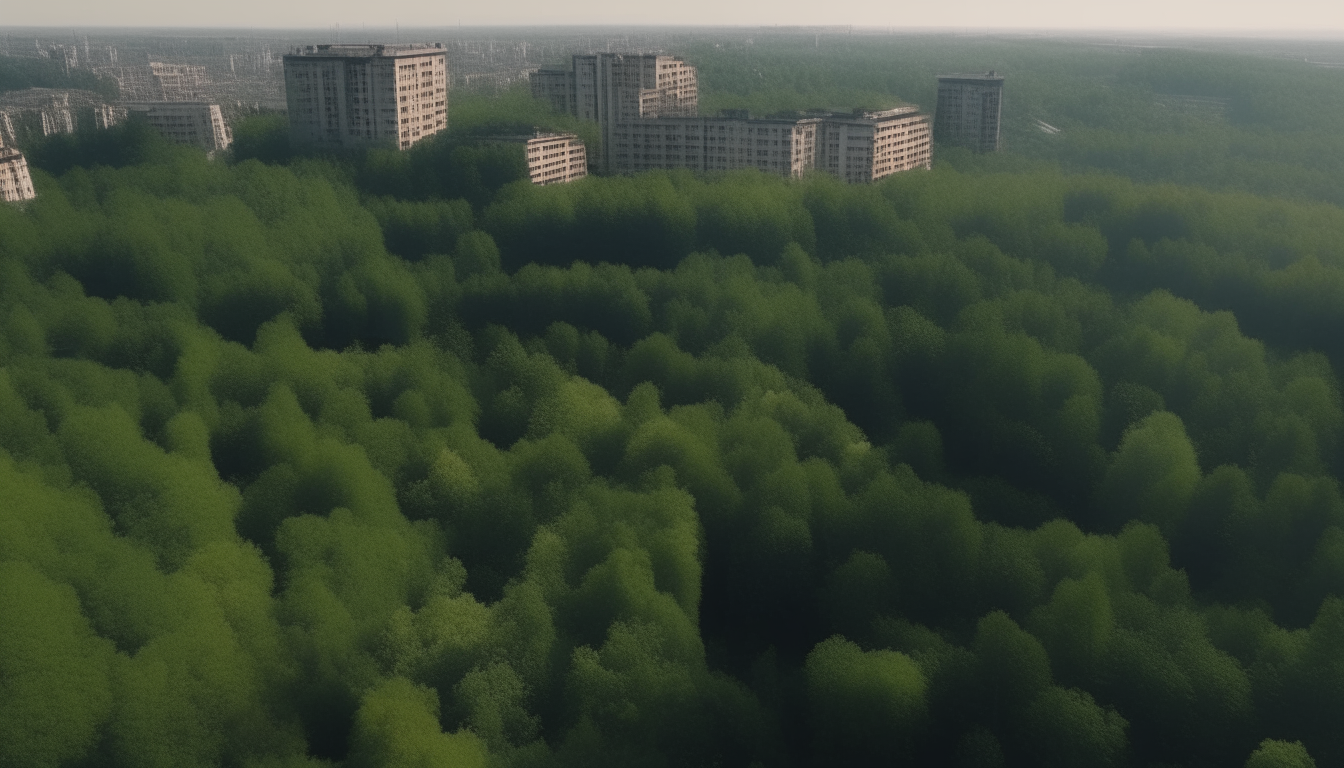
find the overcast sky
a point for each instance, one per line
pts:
(1260, 17)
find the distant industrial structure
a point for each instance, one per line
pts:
(344, 96)
(968, 112)
(647, 106)
(15, 183)
(193, 123)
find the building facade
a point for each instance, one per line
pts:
(969, 109)
(180, 82)
(647, 107)
(782, 147)
(105, 116)
(556, 158)
(869, 146)
(15, 183)
(345, 96)
(555, 86)
(858, 148)
(613, 88)
(193, 123)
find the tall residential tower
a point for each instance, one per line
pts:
(342, 96)
(968, 111)
(15, 183)
(616, 88)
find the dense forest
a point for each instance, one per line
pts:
(19, 73)
(397, 460)
(1198, 112)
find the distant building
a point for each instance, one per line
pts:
(15, 183)
(34, 112)
(783, 147)
(858, 148)
(555, 86)
(968, 112)
(552, 158)
(615, 88)
(56, 118)
(873, 145)
(556, 158)
(185, 122)
(106, 116)
(343, 96)
(646, 108)
(180, 82)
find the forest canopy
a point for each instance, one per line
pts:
(397, 460)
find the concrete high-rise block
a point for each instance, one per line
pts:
(615, 88)
(15, 183)
(343, 96)
(969, 110)
(194, 123)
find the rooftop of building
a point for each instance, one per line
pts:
(346, 51)
(856, 115)
(631, 54)
(904, 109)
(521, 137)
(989, 76)
(42, 98)
(163, 104)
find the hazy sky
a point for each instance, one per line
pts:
(1314, 17)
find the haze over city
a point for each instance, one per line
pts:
(1313, 18)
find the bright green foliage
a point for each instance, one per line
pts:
(398, 725)
(1067, 728)
(56, 671)
(1153, 474)
(867, 706)
(387, 460)
(1280, 754)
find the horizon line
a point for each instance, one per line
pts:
(1249, 33)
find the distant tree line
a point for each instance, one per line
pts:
(1216, 118)
(18, 73)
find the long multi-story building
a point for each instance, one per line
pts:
(858, 148)
(868, 146)
(968, 112)
(555, 158)
(725, 143)
(646, 108)
(193, 123)
(613, 88)
(344, 96)
(15, 182)
(552, 158)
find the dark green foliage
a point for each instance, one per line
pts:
(131, 143)
(1280, 754)
(1191, 112)
(21, 72)
(390, 461)
(262, 137)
